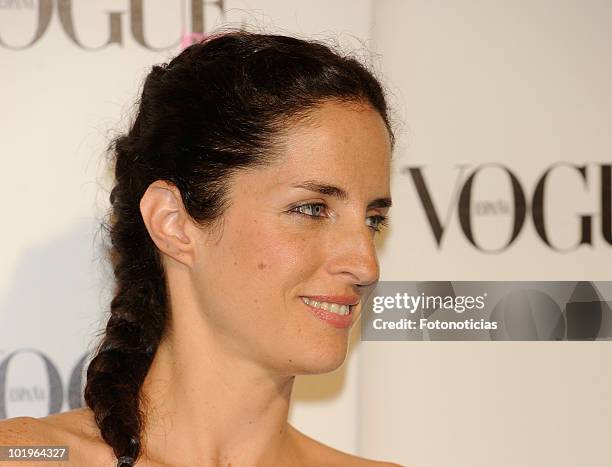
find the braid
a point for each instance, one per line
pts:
(135, 326)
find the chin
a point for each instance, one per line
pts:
(321, 359)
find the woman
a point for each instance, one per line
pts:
(248, 194)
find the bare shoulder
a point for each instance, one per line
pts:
(52, 428)
(75, 429)
(323, 455)
(24, 430)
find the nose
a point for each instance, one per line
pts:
(353, 255)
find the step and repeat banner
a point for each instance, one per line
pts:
(501, 191)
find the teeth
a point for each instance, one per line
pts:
(331, 307)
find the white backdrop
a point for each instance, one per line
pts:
(521, 84)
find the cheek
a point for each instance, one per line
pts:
(277, 261)
(275, 257)
(259, 268)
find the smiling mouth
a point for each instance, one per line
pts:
(336, 315)
(336, 308)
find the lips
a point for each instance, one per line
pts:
(339, 299)
(334, 319)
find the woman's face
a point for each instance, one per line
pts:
(302, 227)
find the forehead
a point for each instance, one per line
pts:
(340, 140)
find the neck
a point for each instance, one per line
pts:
(205, 406)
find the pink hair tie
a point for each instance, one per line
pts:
(191, 38)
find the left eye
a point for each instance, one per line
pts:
(314, 210)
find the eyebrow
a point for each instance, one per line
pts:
(339, 193)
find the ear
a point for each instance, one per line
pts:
(167, 221)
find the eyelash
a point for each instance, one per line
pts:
(383, 221)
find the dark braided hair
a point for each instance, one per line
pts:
(219, 106)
